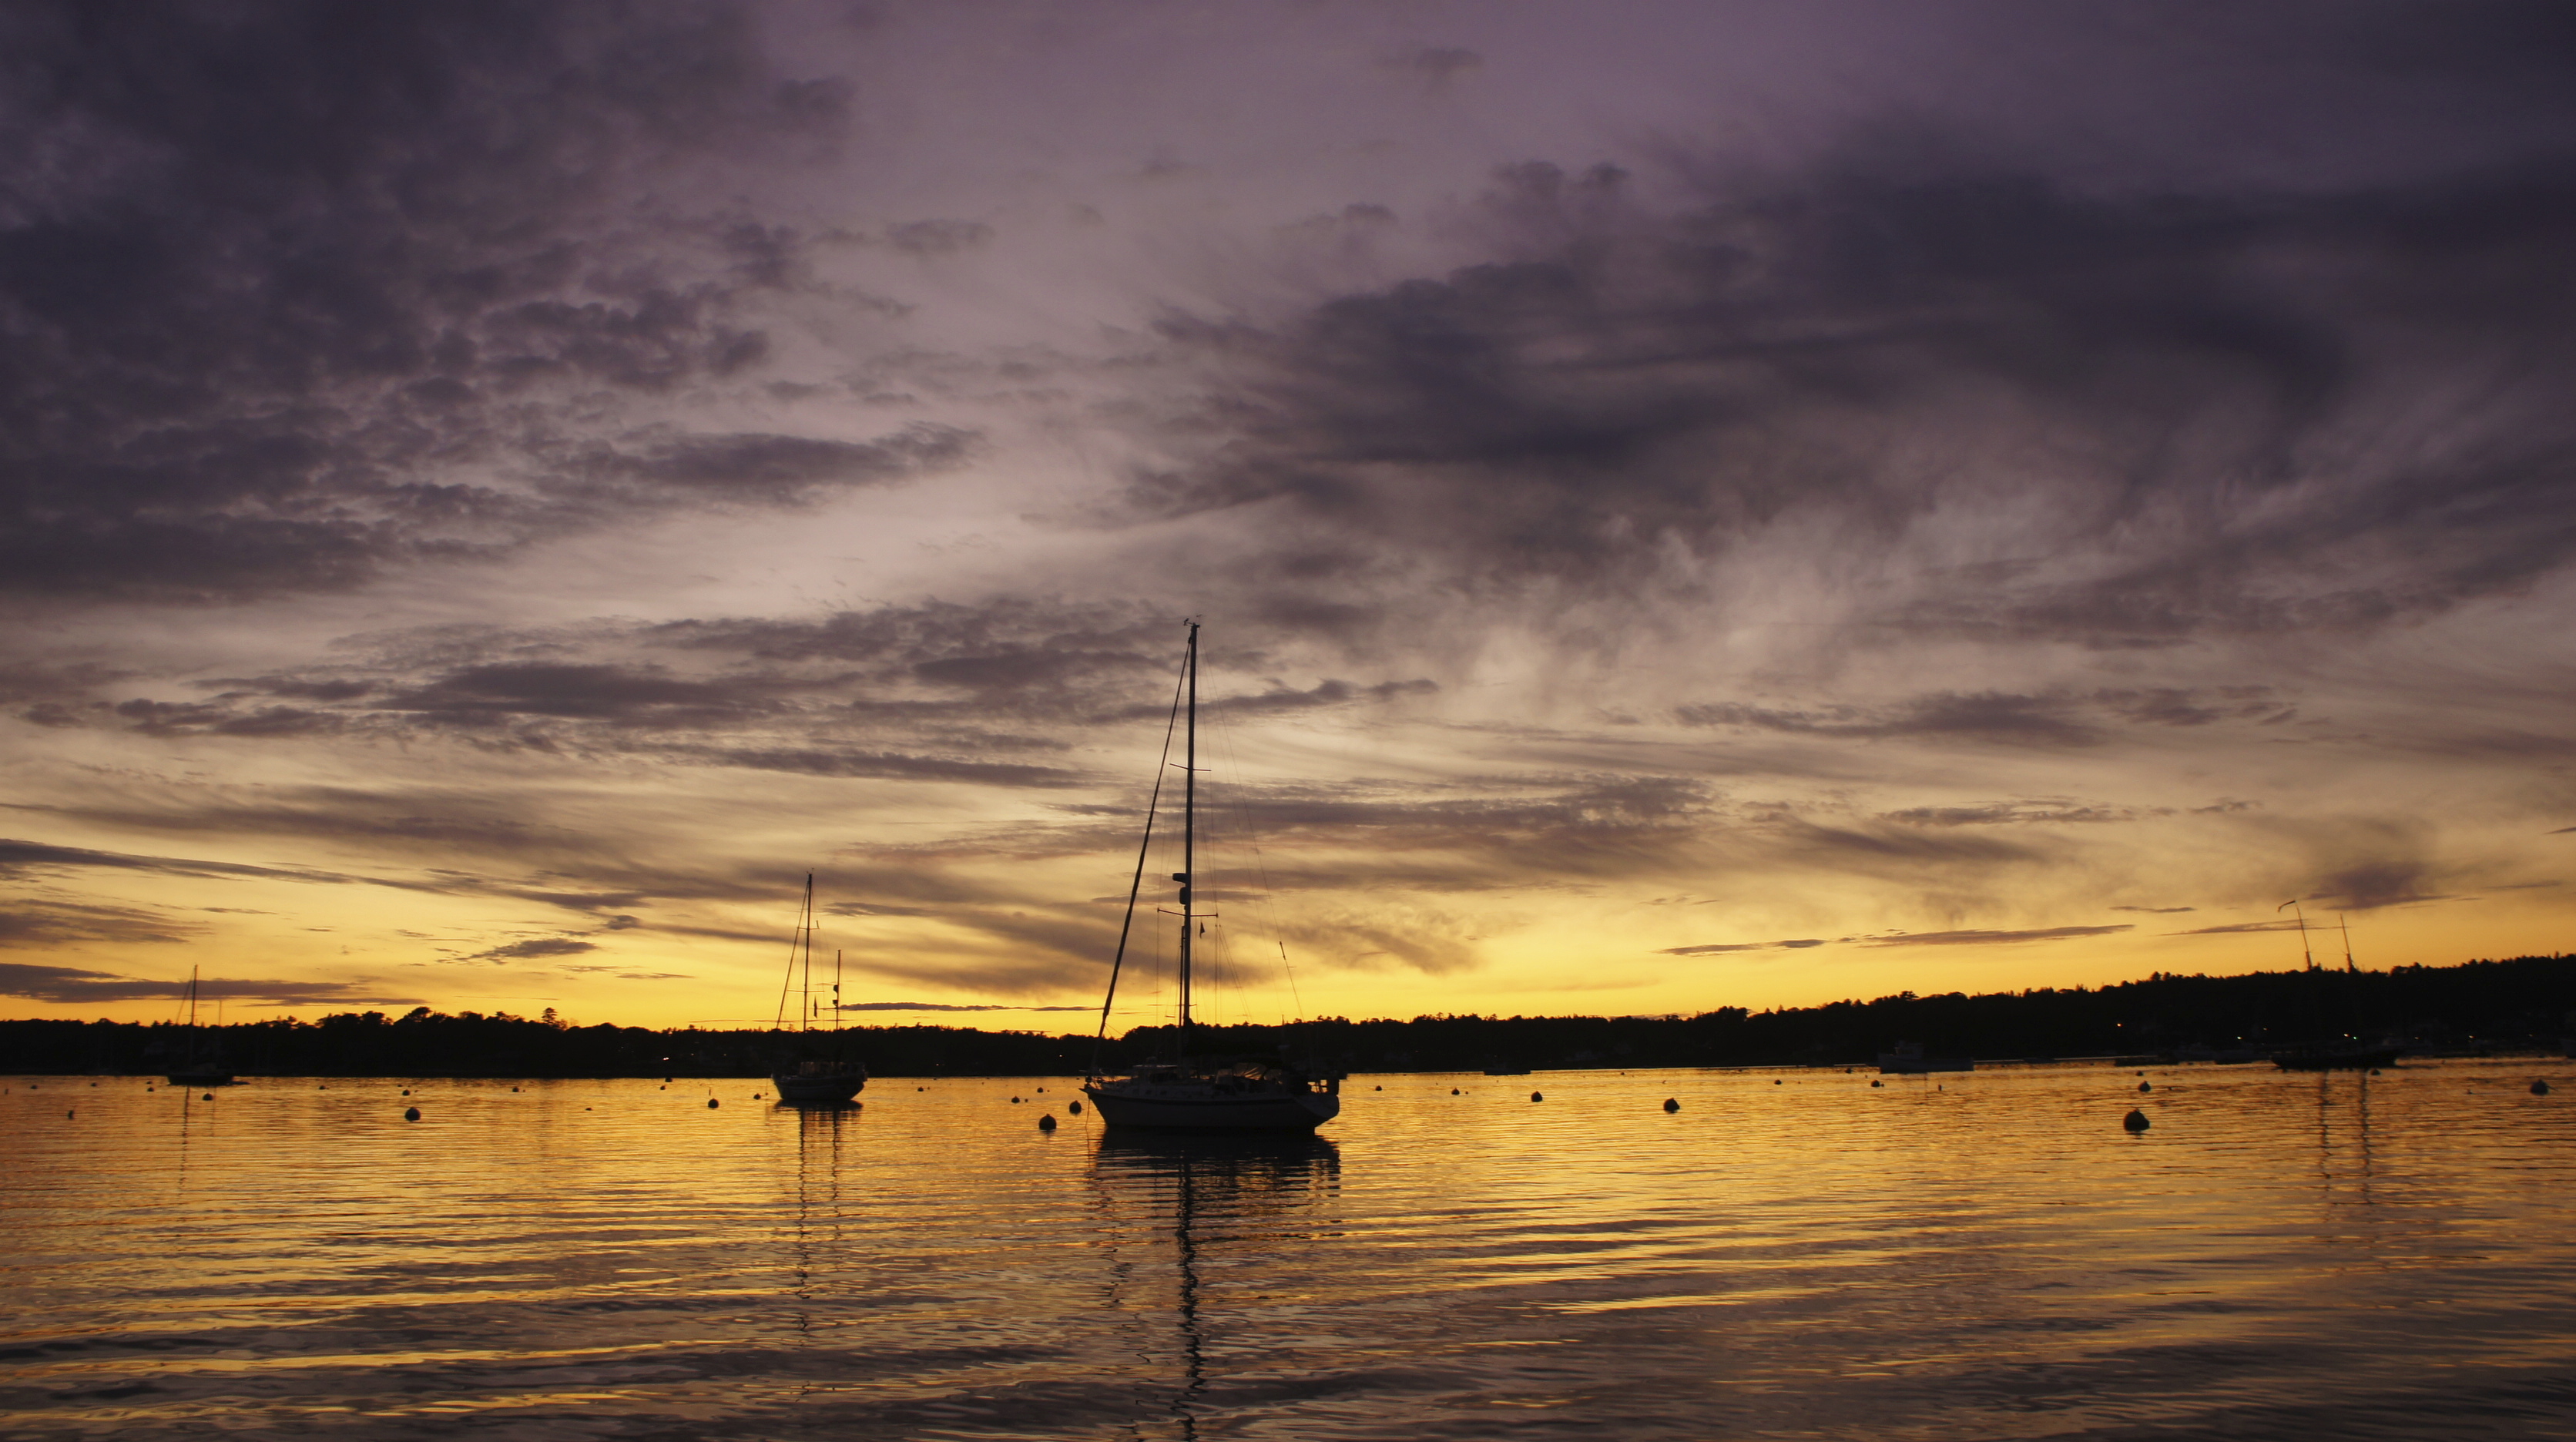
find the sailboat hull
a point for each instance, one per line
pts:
(1177, 1110)
(817, 1090)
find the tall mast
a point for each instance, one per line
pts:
(2305, 954)
(805, 1013)
(2345, 923)
(836, 989)
(1189, 833)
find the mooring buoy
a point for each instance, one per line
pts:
(2135, 1121)
(2539, 1087)
(1873, 1081)
(1046, 1124)
(1534, 1096)
(711, 1104)
(1672, 1105)
(210, 1096)
(1074, 1107)
(2146, 1086)
(411, 1114)
(1453, 1091)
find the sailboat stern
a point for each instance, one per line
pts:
(1203, 1106)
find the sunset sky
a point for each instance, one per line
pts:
(1691, 504)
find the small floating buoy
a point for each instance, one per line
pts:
(1074, 1107)
(1873, 1081)
(2135, 1121)
(147, 1091)
(2374, 1071)
(1534, 1096)
(411, 1114)
(406, 1091)
(2539, 1088)
(1041, 1091)
(921, 1089)
(2146, 1086)
(1775, 1081)
(1453, 1091)
(514, 1088)
(1015, 1101)
(321, 1089)
(67, 1115)
(711, 1104)
(1377, 1089)
(210, 1096)
(1672, 1105)
(1046, 1124)
(2142, 1073)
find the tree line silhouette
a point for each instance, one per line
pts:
(2506, 1005)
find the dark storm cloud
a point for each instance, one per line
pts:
(535, 949)
(899, 693)
(2235, 928)
(17, 857)
(289, 289)
(48, 923)
(1716, 948)
(1984, 938)
(2262, 410)
(75, 986)
(2004, 718)
(2013, 813)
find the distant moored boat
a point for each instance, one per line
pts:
(201, 1067)
(1908, 1060)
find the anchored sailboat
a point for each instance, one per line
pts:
(201, 1067)
(814, 1068)
(1186, 1093)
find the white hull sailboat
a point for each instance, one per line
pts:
(1185, 1093)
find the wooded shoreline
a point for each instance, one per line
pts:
(2516, 1005)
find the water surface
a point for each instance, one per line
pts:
(1792, 1254)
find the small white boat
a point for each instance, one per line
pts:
(1183, 1093)
(1908, 1060)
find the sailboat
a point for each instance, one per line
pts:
(2328, 1053)
(201, 1067)
(814, 1068)
(1182, 1092)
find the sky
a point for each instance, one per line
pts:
(1690, 504)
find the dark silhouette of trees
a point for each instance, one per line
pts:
(2479, 1005)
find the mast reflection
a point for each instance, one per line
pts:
(819, 1217)
(1209, 1193)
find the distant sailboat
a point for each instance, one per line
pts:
(200, 1067)
(814, 1067)
(1186, 1093)
(1908, 1060)
(2328, 1053)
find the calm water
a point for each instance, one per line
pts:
(1794, 1254)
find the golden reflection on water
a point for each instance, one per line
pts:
(1790, 1254)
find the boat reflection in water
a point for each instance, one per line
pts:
(1185, 1207)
